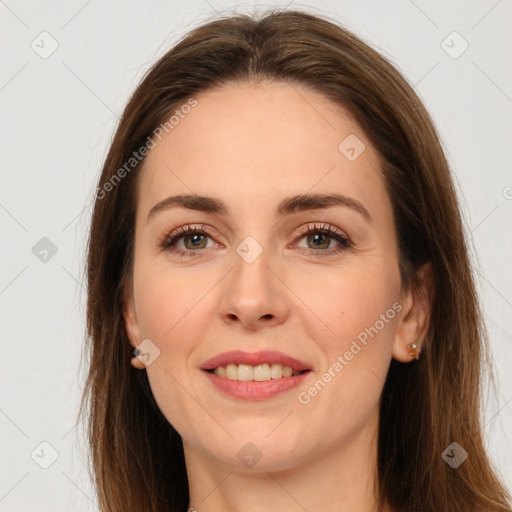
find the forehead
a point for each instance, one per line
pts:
(260, 142)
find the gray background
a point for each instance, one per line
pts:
(59, 113)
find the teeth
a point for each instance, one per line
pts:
(276, 371)
(245, 372)
(259, 373)
(287, 371)
(231, 371)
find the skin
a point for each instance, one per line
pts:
(251, 146)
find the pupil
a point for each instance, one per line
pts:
(319, 238)
(195, 238)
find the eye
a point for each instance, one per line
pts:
(319, 239)
(194, 240)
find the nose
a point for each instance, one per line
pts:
(254, 295)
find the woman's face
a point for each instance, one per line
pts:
(265, 276)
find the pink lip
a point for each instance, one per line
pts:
(253, 390)
(254, 359)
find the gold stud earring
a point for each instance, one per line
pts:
(413, 350)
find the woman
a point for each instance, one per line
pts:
(276, 248)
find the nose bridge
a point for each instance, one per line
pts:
(250, 276)
(253, 294)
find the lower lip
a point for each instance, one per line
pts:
(254, 390)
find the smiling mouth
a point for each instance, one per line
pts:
(259, 373)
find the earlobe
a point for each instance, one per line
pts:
(413, 322)
(136, 362)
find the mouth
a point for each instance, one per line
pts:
(255, 375)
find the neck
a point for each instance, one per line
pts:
(342, 479)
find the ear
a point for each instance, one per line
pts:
(131, 323)
(413, 322)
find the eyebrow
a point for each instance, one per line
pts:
(301, 202)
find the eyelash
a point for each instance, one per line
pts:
(324, 229)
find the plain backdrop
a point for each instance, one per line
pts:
(67, 71)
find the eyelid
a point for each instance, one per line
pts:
(322, 226)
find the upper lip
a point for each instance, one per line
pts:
(254, 359)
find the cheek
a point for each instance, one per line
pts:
(347, 303)
(170, 315)
(357, 307)
(166, 303)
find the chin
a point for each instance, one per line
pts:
(256, 454)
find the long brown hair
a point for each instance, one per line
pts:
(137, 460)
